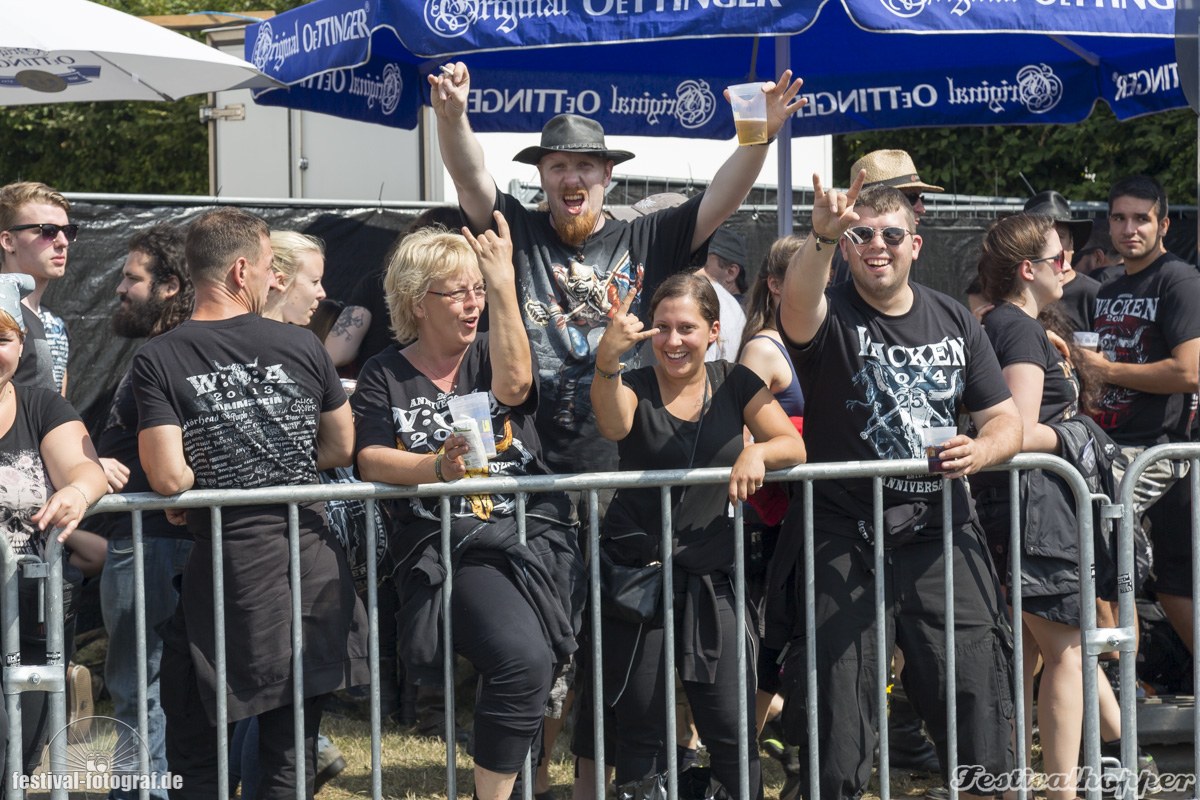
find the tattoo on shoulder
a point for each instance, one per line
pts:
(351, 317)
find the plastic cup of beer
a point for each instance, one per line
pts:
(749, 112)
(477, 407)
(933, 440)
(1088, 340)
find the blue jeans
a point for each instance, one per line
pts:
(163, 559)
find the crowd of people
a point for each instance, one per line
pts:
(601, 342)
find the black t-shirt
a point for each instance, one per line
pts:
(118, 440)
(24, 482)
(247, 392)
(397, 406)
(1141, 318)
(1018, 338)
(660, 440)
(1079, 301)
(36, 367)
(567, 295)
(871, 382)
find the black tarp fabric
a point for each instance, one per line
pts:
(357, 239)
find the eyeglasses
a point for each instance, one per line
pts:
(460, 295)
(914, 198)
(49, 230)
(863, 235)
(1056, 262)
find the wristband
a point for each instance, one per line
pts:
(822, 239)
(86, 503)
(437, 467)
(610, 375)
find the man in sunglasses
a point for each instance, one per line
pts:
(35, 235)
(881, 360)
(893, 168)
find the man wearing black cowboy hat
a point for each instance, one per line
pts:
(1079, 290)
(573, 263)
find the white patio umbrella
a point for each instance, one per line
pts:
(56, 51)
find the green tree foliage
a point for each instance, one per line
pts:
(117, 147)
(1081, 160)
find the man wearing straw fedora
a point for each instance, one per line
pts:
(893, 168)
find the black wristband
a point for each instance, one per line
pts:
(822, 239)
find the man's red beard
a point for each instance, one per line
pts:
(575, 229)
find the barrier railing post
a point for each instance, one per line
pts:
(739, 599)
(56, 662)
(448, 656)
(218, 567)
(883, 658)
(667, 554)
(373, 652)
(1014, 550)
(293, 530)
(951, 659)
(527, 767)
(593, 506)
(140, 648)
(10, 641)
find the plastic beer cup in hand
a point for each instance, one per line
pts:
(932, 440)
(749, 112)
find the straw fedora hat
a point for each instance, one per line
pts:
(569, 133)
(891, 168)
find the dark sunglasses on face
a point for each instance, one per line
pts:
(862, 235)
(914, 198)
(49, 230)
(1056, 261)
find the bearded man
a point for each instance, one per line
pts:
(155, 295)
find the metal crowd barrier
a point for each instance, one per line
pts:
(19, 678)
(1125, 637)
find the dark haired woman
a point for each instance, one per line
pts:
(1020, 270)
(682, 413)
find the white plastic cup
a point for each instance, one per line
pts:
(1088, 340)
(749, 112)
(475, 406)
(933, 440)
(475, 459)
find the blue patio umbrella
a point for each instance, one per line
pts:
(645, 67)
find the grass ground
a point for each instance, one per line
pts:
(414, 767)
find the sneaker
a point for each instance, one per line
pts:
(80, 703)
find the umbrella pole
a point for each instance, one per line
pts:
(783, 191)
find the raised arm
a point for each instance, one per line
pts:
(737, 175)
(71, 462)
(613, 402)
(802, 304)
(461, 152)
(512, 364)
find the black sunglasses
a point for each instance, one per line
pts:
(49, 230)
(861, 235)
(914, 198)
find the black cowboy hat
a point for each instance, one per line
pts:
(1055, 206)
(569, 133)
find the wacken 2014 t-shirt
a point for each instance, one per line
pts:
(247, 392)
(1141, 318)
(567, 296)
(871, 384)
